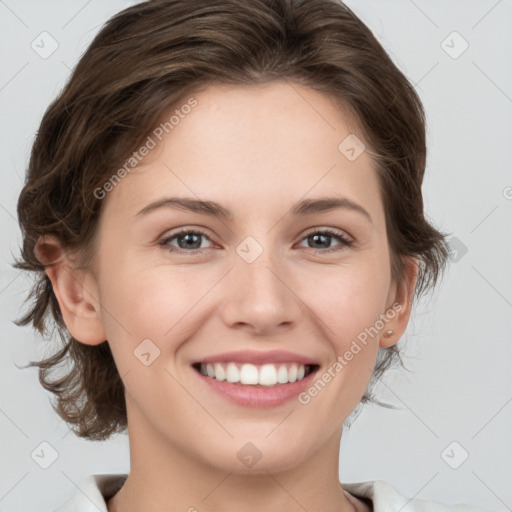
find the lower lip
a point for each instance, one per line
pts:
(261, 397)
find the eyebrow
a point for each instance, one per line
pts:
(302, 208)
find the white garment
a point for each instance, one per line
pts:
(96, 490)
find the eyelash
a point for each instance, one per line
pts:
(345, 241)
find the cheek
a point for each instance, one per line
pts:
(349, 300)
(350, 303)
(350, 311)
(146, 307)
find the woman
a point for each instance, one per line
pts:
(224, 205)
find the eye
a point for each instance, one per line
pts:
(189, 240)
(325, 236)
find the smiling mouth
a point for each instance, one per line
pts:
(248, 374)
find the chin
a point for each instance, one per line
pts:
(254, 457)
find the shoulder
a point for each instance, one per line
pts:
(93, 493)
(386, 498)
(95, 490)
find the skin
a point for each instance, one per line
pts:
(256, 151)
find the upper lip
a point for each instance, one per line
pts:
(257, 357)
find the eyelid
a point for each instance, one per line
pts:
(168, 235)
(345, 239)
(332, 231)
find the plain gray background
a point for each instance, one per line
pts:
(456, 401)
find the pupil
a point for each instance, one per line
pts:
(315, 237)
(188, 237)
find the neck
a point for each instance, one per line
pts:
(164, 477)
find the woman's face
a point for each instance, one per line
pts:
(267, 278)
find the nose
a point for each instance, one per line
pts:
(259, 297)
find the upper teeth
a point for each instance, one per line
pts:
(265, 375)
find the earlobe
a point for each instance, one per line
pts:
(75, 289)
(399, 310)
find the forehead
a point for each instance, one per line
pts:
(280, 140)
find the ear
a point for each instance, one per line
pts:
(400, 304)
(76, 291)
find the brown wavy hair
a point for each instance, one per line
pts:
(145, 58)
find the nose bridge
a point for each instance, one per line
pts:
(259, 294)
(260, 275)
(256, 266)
